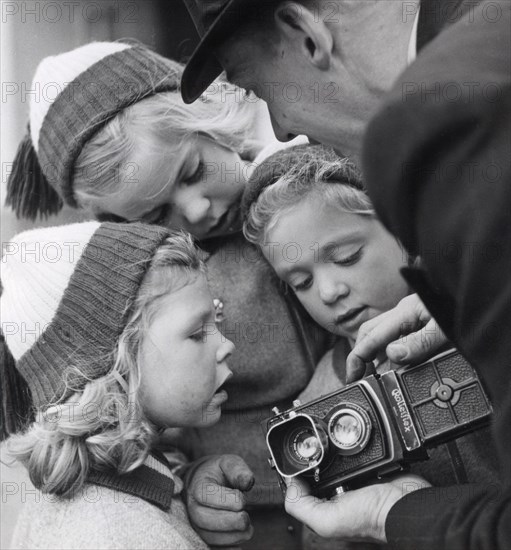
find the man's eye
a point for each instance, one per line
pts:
(351, 259)
(197, 175)
(302, 285)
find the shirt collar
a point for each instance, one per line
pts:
(153, 481)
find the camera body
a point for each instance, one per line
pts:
(376, 426)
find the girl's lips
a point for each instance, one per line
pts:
(350, 318)
(220, 397)
(229, 221)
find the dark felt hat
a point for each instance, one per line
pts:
(215, 21)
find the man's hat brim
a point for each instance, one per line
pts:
(203, 67)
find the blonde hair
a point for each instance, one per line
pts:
(226, 115)
(290, 176)
(103, 426)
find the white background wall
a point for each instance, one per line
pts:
(32, 30)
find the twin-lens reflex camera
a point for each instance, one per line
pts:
(376, 426)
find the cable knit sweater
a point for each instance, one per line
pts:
(139, 511)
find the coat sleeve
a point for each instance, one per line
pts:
(437, 165)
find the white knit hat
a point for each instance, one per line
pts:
(57, 72)
(79, 93)
(66, 296)
(42, 263)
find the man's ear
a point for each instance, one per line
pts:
(306, 31)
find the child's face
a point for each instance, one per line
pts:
(196, 186)
(183, 360)
(343, 267)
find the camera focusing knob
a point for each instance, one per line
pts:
(275, 411)
(271, 463)
(296, 403)
(340, 490)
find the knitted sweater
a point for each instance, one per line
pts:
(143, 512)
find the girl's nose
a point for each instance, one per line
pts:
(330, 289)
(195, 208)
(225, 349)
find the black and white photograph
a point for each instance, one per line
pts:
(255, 278)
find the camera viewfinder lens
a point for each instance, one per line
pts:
(349, 430)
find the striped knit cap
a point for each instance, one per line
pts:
(78, 93)
(66, 298)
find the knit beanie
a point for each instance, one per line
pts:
(67, 294)
(292, 158)
(78, 92)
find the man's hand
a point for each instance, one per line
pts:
(406, 333)
(357, 516)
(214, 488)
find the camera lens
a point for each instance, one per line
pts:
(349, 430)
(297, 444)
(306, 445)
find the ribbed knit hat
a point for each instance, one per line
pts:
(67, 293)
(291, 159)
(77, 93)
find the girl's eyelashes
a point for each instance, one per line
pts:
(302, 285)
(351, 259)
(198, 336)
(159, 216)
(197, 175)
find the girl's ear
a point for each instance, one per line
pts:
(306, 32)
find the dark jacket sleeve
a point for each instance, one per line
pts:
(437, 165)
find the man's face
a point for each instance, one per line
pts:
(298, 101)
(330, 103)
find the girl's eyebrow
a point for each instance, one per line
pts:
(200, 316)
(332, 246)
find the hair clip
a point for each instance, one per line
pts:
(219, 310)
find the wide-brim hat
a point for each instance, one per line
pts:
(215, 21)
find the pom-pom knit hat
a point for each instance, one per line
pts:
(66, 298)
(78, 93)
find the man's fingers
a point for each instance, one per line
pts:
(374, 335)
(418, 346)
(355, 368)
(236, 472)
(226, 521)
(299, 502)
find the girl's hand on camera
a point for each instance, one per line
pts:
(357, 516)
